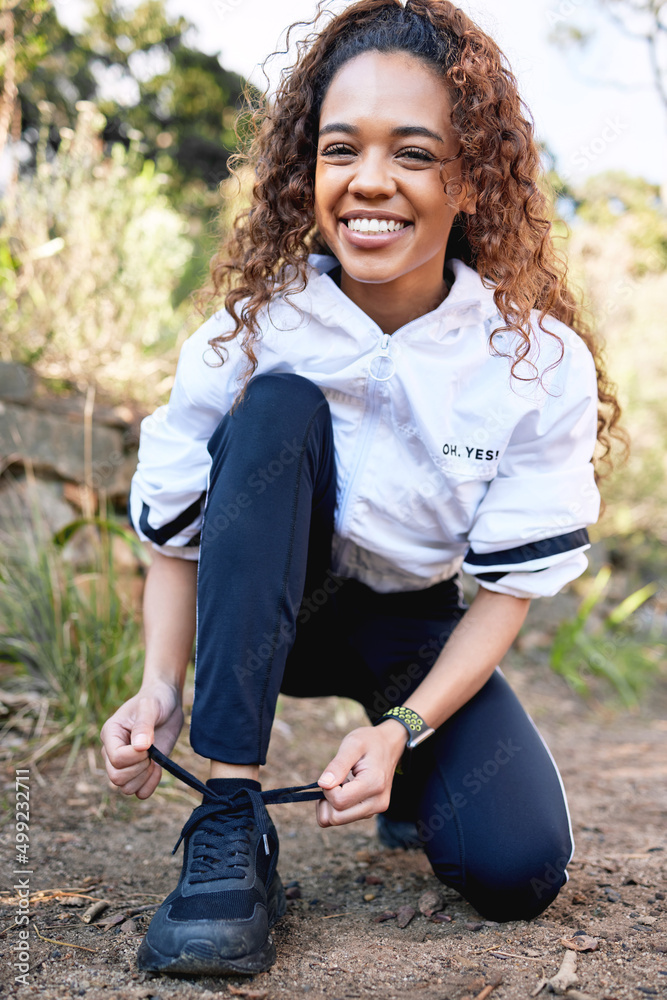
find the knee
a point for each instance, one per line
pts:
(517, 888)
(275, 405)
(511, 888)
(266, 389)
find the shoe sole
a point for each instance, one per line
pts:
(201, 957)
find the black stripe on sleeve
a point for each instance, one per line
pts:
(162, 535)
(541, 549)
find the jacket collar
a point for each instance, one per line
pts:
(468, 302)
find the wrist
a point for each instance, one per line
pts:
(394, 733)
(152, 682)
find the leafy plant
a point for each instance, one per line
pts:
(77, 638)
(610, 649)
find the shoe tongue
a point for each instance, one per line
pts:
(226, 786)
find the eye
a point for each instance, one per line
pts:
(414, 153)
(338, 149)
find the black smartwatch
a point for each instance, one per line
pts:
(417, 729)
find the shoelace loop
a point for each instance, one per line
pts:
(213, 801)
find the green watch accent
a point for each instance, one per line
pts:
(417, 729)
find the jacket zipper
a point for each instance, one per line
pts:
(370, 416)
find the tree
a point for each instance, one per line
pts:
(137, 68)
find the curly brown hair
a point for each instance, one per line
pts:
(508, 240)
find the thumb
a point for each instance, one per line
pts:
(338, 769)
(143, 729)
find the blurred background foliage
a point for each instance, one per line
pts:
(114, 147)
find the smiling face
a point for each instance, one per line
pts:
(384, 128)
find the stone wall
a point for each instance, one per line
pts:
(43, 432)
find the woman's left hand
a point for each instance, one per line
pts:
(357, 782)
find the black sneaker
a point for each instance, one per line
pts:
(218, 919)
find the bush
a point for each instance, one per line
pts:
(91, 254)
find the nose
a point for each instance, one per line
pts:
(372, 177)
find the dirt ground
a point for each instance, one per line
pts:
(88, 843)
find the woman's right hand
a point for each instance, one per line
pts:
(153, 715)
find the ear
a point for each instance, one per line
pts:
(468, 201)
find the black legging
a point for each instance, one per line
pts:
(484, 791)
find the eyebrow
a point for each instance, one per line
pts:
(400, 130)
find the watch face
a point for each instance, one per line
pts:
(420, 737)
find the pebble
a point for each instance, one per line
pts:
(646, 920)
(369, 896)
(440, 918)
(405, 915)
(381, 917)
(360, 879)
(612, 897)
(659, 895)
(128, 927)
(430, 902)
(473, 925)
(373, 880)
(293, 892)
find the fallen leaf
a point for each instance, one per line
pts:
(430, 902)
(581, 942)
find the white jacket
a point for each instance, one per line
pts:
(443, 459)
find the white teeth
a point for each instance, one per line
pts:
(375, 225)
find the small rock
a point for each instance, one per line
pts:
(646, 920)
(659, 895)
(473, 925)
(532, 952)
(387, 915)
(369, 896)
(440, 918)
(360, 879)
(405, 915)
(373, 880)
(293, 892)
(128, 927)
(430, 902)
(580, 942)
(612, 897)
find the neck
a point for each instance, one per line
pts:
(393, 304)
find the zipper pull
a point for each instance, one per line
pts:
(382, 366)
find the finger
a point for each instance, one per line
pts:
(338, 769)
(328, 816)
(144, 784)
(149, 787)
(126, 777)
(363, 786)
(143, 730)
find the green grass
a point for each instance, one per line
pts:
(611, 647)
(71, 634)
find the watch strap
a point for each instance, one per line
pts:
(417, 729)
